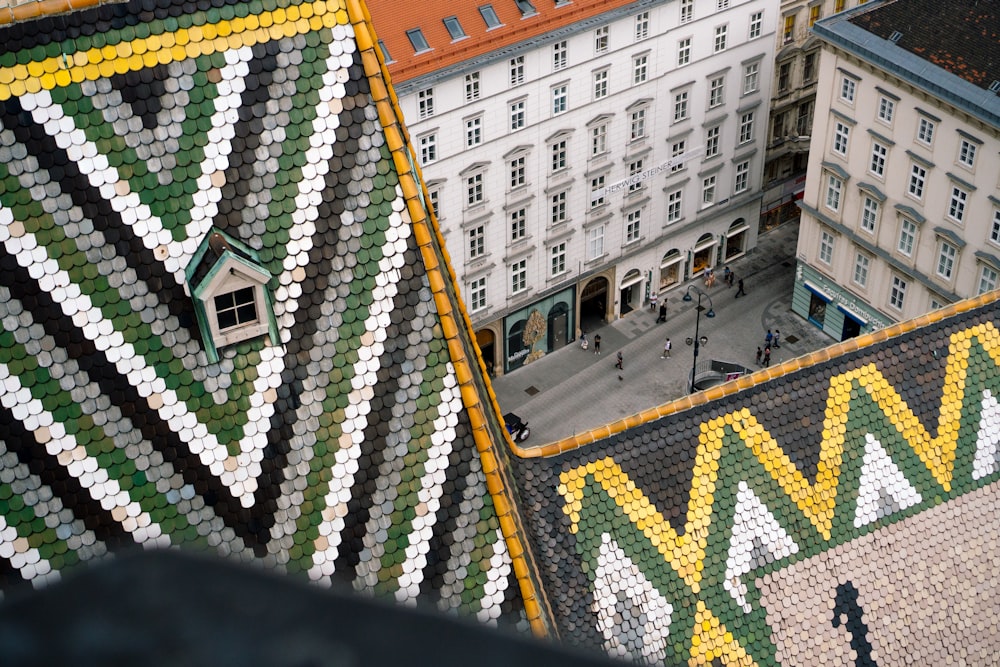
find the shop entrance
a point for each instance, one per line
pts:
(631, 294)
(593, 304)
(852, 328)
(487, 346)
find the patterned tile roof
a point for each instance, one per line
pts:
(349, 444)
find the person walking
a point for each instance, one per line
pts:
(767, 356)
(740, 290)
(727, 276)
(757, 358)
(768, 338)
(666, 350)
(663, 313)
(652, 301)
(597, 343)
(777, 337)
(620, 361)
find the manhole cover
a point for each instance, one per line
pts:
(532, 390)
(792, 339)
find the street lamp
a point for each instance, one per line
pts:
(697, 323)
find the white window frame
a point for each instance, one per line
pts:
(475, 189)
(751, 78)
(599, 140)
(967, 153)
(595, 242)
(917, 181)
(716, 92)
(988, 279)
(870, 211)
(519, 276)
(637, 124)
(826, 247)
(640, 68)
(558, 152)
(517, 224)
(477, 241)
(557, 259)
(886, 110)
(602, 38)
(635, 167)
(558, 208)
(746, 127)
(681, 106)
(601, 85)
(641, 26)
(477, 294)
(597, 184)
(848, 89)
(708, 190)
(995, 227)
(834, 192)
(957, 204)
(947, 258)
(756, 25)
(907, 241)
(721, 38)
(516, 65)
(633, 226)
(741, 182)
(925, 130)
(425, 103)
(472, 86)
(897, 293)
(518, 172)
(713, 140)
(560, 56)
(560, 99)
(675, 205)
(880, 153)
(678, 148)
(683, 51)
(687, 11)
(862, 265)
(518, 115)
(473, 131)
(841, 138)
(428, 148)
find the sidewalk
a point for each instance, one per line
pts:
(574, 390)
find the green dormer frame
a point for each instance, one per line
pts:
(229, 286)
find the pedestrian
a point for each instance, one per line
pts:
(663, 313)
(583, 340)
(709, 278)
(768, 338)
(619, 363)
(740, 290)
(597, 343)
(757, 358)
(767, 357)
(666, 350)
(652, 301)
(731, 277)
(777, 337)
(727, 276)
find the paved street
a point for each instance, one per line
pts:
(574, 390)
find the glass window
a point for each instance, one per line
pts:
(417, 40)
(490, 17)
(601, 39)
(559, 155)
(425, 103)
(640, 69)
(803, 124)
(676, 150)
(838, 5)
(471, 86)
(716, 91)
(560, 97)
(708, 190)
(861, 265)
(784, 76)
(674, 206)
(687, 10)
(454, 27)
(519, 276)
(967, 153)
(641, 26)
(680, 106)
(428, 148)
(720, 38)
(834, 189)
(848, 89)
(907, 237)
(517, 117)
(788, 31)
(474, 190)
(235, 309)
(517, 173)
(473, 131)
(721, 4)
(525, 7)
(518, 220)
(595, 242)
(477, 241)
(600, 84)
(897, 294)
(746, 128)
(879, 154)
(558, 202)
(477, 294)
(826, 247)
(841, 134)
(809, 67)
(751, 78)
(995, 229)
(869, 215)
(597, 185)
(742, 182)
(925, 130)
(560, 56)
(516, 70)
(886, 110)
(683, 51)
(918, 176)
(956, 208)
(634, 169)
(987, 279)
(599, 139)
(814, 14)
(946, 260)
(557, 258)
(712, 135)
(633, 226)
(637, 124)
(756, 24)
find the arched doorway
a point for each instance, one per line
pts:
(516, 349)
(631, 292)
(593, 303)
(736, 239)
(486, 340)
(704, 250)
(557, 333)
(671, 269)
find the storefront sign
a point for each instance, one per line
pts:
(646, 174)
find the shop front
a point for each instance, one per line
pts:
(543, 327)
(704, 254)
(839, 313)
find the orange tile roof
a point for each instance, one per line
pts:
(391, 25)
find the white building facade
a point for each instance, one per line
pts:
(576, 174)
(901, 213)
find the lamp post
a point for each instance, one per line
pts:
(697, 324)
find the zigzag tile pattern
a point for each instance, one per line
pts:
(801, 521)
(343, 450)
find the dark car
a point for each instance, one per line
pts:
(517, 427)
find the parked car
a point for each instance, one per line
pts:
(517, 427)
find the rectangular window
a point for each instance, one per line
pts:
(640, 69)
(838, 5)
(637, 124)
(987, 279)
(473, 131)
(519, 276)
(517, 119)
(560, 97)
(925, 131)
(756, 24)
(557, 259)
(814, 14)
(918, 175)
(907, 237)
(601, 39)
(518, 177)
(946, 260)
(600, 84)
(518, 228)
(751, 78)
(560, 56)
(897, 294)
(841, 134)
(826, 247)
(516, 70)
(634, 168)
(674, 206)
(454, 27)
(490, 17)
(683, 51)
(632, 226)
(861, 265)
(597, 185)
(886, 110)
(721, 4)
(558, 210)
(425, 103)
(595, 242)
(435, 196)
(869, 215)
(803, 124)
(680, 106)
(712, 136)
(708, 191)
(809, 67)
(956, 208)
(641, 26)
(778, 126)
(477, 242)
(474, 190)
(784, 77)
(995, 230)
(788, 31)
(967, 153)
(720, 38)
(742, 182)
(746, 128)
(471, 86)
(716, 91)
(834, 189)
(477, 294)
(879, 154)
(417, 40)
(428, 148)
(599, 139)
(676, 150)
(687, 10)
(559, 155)
(525, 6)
(848, 89)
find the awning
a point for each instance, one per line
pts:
(817, 291)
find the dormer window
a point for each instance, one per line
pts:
(230, 293)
